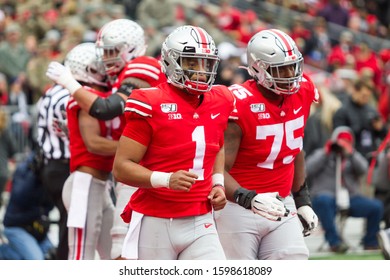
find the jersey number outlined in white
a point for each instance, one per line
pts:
(199, 138)
(279, 131)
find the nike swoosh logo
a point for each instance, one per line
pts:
(207, 225)
(297, 110)
(214, 116)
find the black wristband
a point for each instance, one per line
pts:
(302, 197)
(243, 197)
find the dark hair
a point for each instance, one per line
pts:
(361, 83)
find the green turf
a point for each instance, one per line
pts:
(350, 256)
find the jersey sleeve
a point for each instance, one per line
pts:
(234, 113)
(138, 111)
(138, 130)
(311, 88)
(138, 106)
(145, 68)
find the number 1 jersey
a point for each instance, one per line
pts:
(181, 137)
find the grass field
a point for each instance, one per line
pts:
(350, 256)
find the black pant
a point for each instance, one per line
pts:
(54, 174)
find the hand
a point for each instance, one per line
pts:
(217, 198)
(328, 147)
(308, 219)
(347, 148)
(60, 126)
(269, 205)
(182, 180)
(62, 75)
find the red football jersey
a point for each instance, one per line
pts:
(182, 138)
(80, 156)
(145, 68)
(272, 136)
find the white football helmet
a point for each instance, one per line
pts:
(118, 42)
(83, 63)
(189, 43)
(270, 53)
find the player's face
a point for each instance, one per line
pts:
(110, 54)
(283, 72)
(195, 68)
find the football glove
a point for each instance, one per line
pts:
(270, 206)
(308, 218)
(62, 75)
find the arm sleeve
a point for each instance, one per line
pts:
(107, 108)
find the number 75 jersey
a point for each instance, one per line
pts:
(272, 136)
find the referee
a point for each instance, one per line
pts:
(54, 146)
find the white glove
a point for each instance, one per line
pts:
(62, 75)
(269, 205)
(308, 219)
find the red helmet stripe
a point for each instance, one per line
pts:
(287, 45)
(202, 36)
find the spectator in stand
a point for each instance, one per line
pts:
(228, 19)
(365, 121)
(26, 220)
(341, 53)
(381, 182)
(334, 12)
(341, 83)
(384, 97)
(249, 26)
(303, 36)
(162, 15)
(365, 57)
(7, 151)
(321, 44)
(20, 119)
(319, 125)
(3, 90)
(36, 71)
(13, 54)
(338, 156)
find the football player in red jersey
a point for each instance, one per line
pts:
(86, 194)
(120, 48)
(264, 161)
(172, 150)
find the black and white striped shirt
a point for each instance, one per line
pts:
(52, 105)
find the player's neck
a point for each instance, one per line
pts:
(271, 96)
(193, 99)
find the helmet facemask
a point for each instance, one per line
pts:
(197, 72)
(274, 78)
(112, 59)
